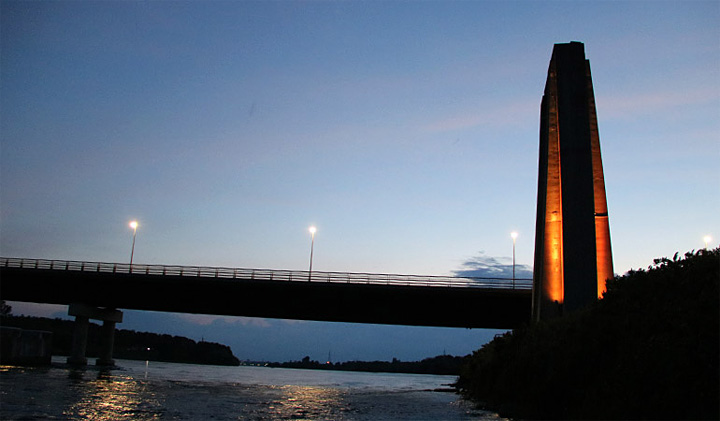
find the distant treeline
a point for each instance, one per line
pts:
(648, 350)
(129, 344)
(443, 364)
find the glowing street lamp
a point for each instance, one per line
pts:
(707, 239)
(514, 237)
(312, 230)
(133, 225)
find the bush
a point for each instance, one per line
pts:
(648, 349)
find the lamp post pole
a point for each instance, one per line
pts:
(312, 230)
(133, 225)
(514, 237)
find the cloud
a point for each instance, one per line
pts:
(483, 266)
(206, 320)
(624, 106)
(292, 322)
(500, 116)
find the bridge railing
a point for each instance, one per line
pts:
(271, 274)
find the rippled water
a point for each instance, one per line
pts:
(192, 392)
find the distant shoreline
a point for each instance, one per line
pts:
(129, 344)
(145, 346)
(439, 365)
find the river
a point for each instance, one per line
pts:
(165, 391)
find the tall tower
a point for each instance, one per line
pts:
(573, 256)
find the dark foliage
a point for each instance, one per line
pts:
(442, 364)
(648, 350)
(129, 344)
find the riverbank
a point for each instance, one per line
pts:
(648, 350)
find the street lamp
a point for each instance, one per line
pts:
(312, 230)
(133, 225)
(707, 239)
(514, 237)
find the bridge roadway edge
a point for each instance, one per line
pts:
(460, 307)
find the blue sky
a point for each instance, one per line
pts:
(407, 132)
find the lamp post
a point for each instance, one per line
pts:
(707, 239)
(312, 230)
(133, 225)
(514, 237)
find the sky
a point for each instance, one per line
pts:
(406, 131)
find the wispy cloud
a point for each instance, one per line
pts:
(206, 320)
(483, 266)
(486, 115)
(622, 106)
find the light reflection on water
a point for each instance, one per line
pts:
(111, 397)
(299, 402)
(188, 392)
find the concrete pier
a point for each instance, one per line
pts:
(79, 342)
(83, 313)
(107, 341)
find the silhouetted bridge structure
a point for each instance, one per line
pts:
(284, 294)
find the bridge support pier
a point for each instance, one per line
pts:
(107, 340)
(79, 341)
(83, 313)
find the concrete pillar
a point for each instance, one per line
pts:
(83, 313)
(79, 343)
(107, 340)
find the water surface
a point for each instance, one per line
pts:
(167, 391)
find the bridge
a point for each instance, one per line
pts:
(283, 294)
(94, 290)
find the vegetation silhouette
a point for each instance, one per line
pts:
(648, 350)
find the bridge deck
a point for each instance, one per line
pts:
(324, 296)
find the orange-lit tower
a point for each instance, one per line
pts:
(573, 256)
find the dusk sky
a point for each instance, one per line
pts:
(407, 132)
